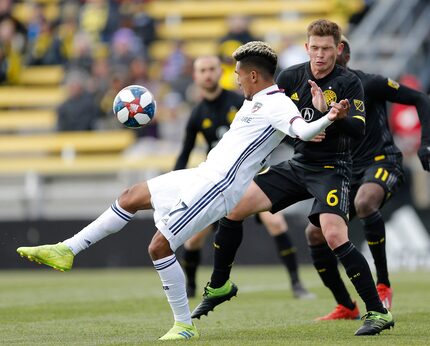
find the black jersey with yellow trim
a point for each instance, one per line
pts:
(211, 118)
(335, 149)
(378, 143)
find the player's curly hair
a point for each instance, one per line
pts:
(259, 55)
(324, 27)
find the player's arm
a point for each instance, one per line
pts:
(295, 126)
(354, 125)
(307, 131)
(189, 142)
(389, 90)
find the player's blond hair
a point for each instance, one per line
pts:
(258, 54)
(324, 27)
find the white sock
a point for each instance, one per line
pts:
(173, 280)
(111, 221)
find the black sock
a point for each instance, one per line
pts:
(359, 273)
(374, 230)
(227, 241)
(190, 262)
(287, 254)
(325, 262)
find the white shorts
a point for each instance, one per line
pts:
(184, 204)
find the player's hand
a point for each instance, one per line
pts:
(318, 100)
(339, 110)
(319, 137)
(424, 155)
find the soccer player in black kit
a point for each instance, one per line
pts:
(317, 170)
(377, 173)
(212, 117)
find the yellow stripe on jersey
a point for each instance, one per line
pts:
(379, 157)
(263, 171)
(328, 166)
(360, 117)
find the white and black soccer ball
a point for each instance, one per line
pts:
(134, 106)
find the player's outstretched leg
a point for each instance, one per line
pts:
(213, 297)
(58, 256)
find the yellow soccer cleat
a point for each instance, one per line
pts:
(181, 331)
(58, 256)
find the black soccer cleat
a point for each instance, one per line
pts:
(213, 297)
(375, 322)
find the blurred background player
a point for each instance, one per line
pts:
(377, 174)
(212, 118)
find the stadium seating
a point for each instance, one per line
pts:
(34, 159)
(201, 23)
(42, 75)
(58, 142)
(30, 120)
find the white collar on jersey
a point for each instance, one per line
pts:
(266, 91)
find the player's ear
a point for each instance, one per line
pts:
(254, 76)
(340, 48)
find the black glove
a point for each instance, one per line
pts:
(424, 155)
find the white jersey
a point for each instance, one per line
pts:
(188, 200)
(257, 129)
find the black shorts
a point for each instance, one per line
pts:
(388, 174)
(286, 184)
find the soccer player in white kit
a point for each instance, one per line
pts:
(187, 201)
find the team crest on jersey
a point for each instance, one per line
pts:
(393, 84)
(359, 105)
(307, 114)
(294, 97)
(256, 107)
(329, 96)
(206, 123)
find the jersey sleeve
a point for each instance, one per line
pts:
(283, 114)
(387, 89)
(355, 123)
(284, 81)
(191, 132)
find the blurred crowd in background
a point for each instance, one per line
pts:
(103, 46)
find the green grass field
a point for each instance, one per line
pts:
(128, 307)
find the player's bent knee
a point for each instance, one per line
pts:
(159, 247)
(334, 238)
(365, 207)
(135, 198)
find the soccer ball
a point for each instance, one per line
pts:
(134, 106)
